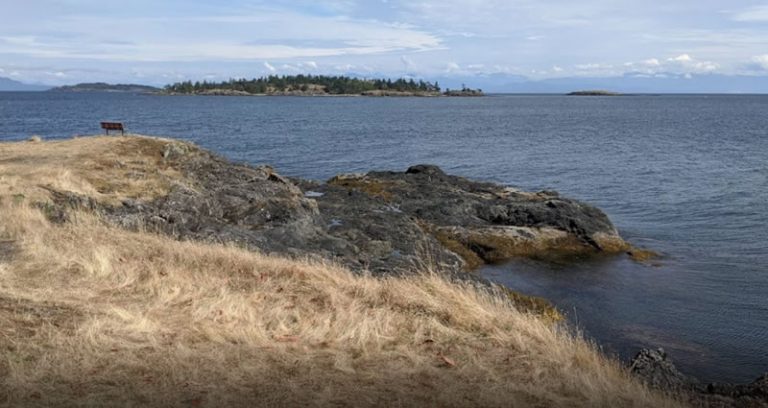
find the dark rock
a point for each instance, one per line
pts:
(385, 222)
(658, 371)
(425, 169)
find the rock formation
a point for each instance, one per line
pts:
(384, 222)
(658, 371)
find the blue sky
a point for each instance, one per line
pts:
(156, 42)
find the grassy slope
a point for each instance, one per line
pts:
(91, 314)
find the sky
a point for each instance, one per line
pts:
(157, 42)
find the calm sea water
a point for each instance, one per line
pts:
(684, 175)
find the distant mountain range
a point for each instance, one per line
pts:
(7, 84)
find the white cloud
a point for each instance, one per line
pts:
(555, 38)
(281, 35)
(753, 14)
(687, 64)
(681, 58)
(761, 61)
(651, 62)
(588, 67)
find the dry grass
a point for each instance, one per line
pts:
(108, 169)
(91, 315)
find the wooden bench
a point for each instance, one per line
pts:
(107, 126)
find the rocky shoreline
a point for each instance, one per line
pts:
(659, 372)
(384, 223)
(322, 93)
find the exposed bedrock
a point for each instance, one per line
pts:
(385, 222)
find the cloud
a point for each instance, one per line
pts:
(157, 38)
(760, 62)
(425, 37)
(684, 58)
(651, 62)
(687, 64)
(408, 63)
(755, 14)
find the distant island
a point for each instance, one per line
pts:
(594, 93)
(104, 87)
(464, 91)
(315, 85)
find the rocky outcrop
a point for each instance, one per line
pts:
(659, 372)
(479, 222)
(383, 222)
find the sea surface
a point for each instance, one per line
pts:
(683, 175)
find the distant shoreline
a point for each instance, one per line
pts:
(594, 93)
(292, 85)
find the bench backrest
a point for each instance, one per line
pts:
(111, 125)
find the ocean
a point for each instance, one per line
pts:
(684, 175)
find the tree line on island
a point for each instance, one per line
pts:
(316, 85)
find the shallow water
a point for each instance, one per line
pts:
(683, 175)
